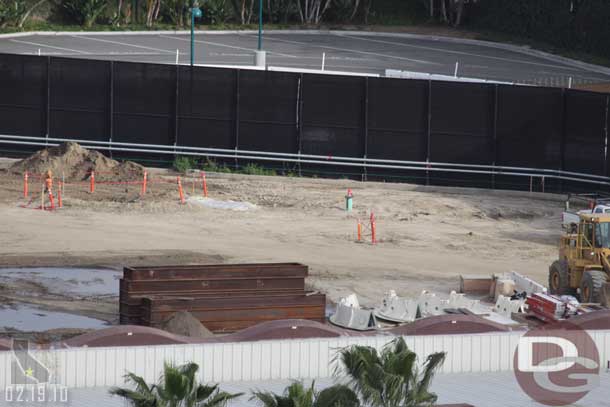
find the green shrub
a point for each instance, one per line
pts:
(253, 169)
(184, 163)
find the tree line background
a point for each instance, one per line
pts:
(582, 25)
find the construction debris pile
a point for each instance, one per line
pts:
(224, 298)
(518, 302)
(72, 162)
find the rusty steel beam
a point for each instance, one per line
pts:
(130, 305)
(229, 314)
(185, 286)
(216, 271)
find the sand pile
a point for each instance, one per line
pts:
(75, 163)
(185, 324)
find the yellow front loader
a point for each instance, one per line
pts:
(583, 268)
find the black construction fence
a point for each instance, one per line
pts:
(469, 128)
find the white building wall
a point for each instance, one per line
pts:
(271, 360)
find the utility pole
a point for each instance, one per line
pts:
(260, 56)
(195, 13)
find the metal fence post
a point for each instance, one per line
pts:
(237, 96)
(48, 96)
(606, 136)
(495, 135)
(564, 136)
(299, 121)
(177, 104)
(428, 128)
(365, 125)
(111, 105)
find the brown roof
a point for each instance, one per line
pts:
(449, 324)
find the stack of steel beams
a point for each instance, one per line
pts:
(225, 297)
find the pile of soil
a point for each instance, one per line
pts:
(76, 163)
(185, 324)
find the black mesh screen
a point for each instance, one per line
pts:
(332, 115)
(144, 102)
(268, 111)
(585, 132)
(320, 114)
(23, 87)
(80, 99)
(529, 127)
(461, 124)
(207, 107)
(397, 119)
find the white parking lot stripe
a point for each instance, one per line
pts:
(49, 46)
(225, 45)
(126, 44)
(450, 51)
(268, 38)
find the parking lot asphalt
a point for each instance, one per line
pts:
(339, 51)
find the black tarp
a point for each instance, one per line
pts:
(80, 99)
(23, 95)
(206, 105)
(326, 115)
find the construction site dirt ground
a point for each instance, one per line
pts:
(427, 236)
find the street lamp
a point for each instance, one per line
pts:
(259, 59)
(195, 13)
(260, 25)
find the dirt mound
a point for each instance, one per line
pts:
(75, 163)
(185, 324)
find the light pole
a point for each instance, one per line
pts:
(260, 56)
(260, 25)
(195, 13)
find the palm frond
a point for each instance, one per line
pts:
(338, 395)
(202, 391)
(137, 399)
(265, 398)
(219, 399)
(432, 364)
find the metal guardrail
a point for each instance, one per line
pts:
(358, 162)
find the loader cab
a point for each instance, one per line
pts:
(589, 238)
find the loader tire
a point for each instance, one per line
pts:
(559, 279)
(591, 286)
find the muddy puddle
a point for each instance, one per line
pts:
(42, 299)
(23, 317)
(66, 281)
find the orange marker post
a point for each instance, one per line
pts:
(359, 231)
(373, 237)
(180, 191)
(59, 202)
(92, 182)
(144, 181)
(205, 185)
(25, 185)
(51, 199)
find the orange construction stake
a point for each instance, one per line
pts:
(59, 202)
(359, 231)
(144, 181)
(180, 191)
(92, 182)
(25, 185)
(205, 185)
(51, 199)
(373, 237)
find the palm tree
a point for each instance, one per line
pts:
(390, 378)
(296, 395)
(177, 388)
